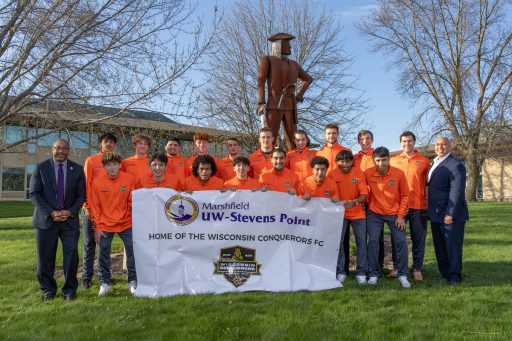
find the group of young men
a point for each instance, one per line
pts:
(374, 187)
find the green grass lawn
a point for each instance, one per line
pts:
(478, 309)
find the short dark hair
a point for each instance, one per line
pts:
(205, 160)
(265, 130)
(172, 138)
(107, 136)
(332, 126)
(241, 159)
(319, 160)
(158, 157)
(364, 132)
(345, 155)
(302, 132)
(408, 133)
(278, 150)
(233, 139)
(380, 152)
(111, 157)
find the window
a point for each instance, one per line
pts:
(79, 139)
(13, 179)
(13, 134)
(47, 140)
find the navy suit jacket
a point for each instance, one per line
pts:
(446, 191)
(43, 192)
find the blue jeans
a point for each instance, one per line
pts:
(375, 225)
(359, 228)
(104, 255)
(89, 249)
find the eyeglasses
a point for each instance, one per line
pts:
(61, 148)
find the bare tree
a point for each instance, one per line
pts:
(456, 57)
(231, 93)
(117, 53)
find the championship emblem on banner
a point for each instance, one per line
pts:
(181, 210)
(237, 264)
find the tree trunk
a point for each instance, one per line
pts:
(473, 173)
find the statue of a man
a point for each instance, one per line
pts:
(281, 74)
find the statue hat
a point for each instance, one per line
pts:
(280, 36)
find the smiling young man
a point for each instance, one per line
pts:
(318, 185)
(298, 160)
(93, 168)
(331, 147)
(353, 190)
(241, 180)
(279, 178)
(201, 145)
(389, 198)
(158, 177)
(415, 167)
(111, 208)
(363, 159)
(176, 164)
(260, 159)
(225, 166)
(137, 165)
(203, 176)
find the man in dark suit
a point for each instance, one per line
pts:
(57, 189)
(447, 210)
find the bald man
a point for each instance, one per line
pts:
(447, 210)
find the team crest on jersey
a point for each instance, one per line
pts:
(391, 182)
(287, 183)
(123, 188)
(418, 163)
(354, 180)
(237, 264)
(327, 193)
(180, 164)
(181, 210)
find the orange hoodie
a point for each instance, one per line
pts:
(280, 181)
(389, 194)
(298, 162)
(416, 171)
(330, 154)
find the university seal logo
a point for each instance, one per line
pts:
(237, 264)
(181, 210)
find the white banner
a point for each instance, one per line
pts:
(213, 242)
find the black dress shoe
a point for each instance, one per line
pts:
(48, 296)
(69, 297)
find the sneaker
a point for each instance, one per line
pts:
(361, 279)
(373, 280)
(341, 278)
(417, 275)
(404, 282)
(132, 286)
(104, 289)
(393, 273)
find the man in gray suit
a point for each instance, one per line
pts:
(57, 189)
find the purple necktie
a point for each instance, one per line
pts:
(60, 187)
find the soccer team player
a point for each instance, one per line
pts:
(374, 187)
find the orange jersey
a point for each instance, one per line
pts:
(363, 161)
(280, 181)
(225, 169)
(93, 168)
(259, 163)
(416, 171)
(389, 194)
(111, 204)
(136, 166)
(248, 183)
(190, 163)
(176, 167)
(330, 154)
(350, 187)
(327, 189)
(298, 162)
(148, 181)
(194, 184)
